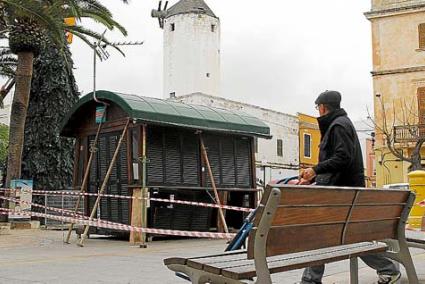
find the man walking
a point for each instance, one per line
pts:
(341, 164)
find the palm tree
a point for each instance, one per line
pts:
(29, 25)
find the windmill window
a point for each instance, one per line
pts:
(213, 28)
(208, 75)
(280, 147)
(173, 95)
(173, 27)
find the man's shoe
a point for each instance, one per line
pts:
(389, 279)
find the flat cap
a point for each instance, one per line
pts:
(329, 97)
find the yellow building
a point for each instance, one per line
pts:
(309, 140)
(398, 43)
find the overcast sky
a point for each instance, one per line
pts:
(275, 54)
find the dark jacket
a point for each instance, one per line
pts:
(340, 153)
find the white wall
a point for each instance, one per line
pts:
(191, 52)
(5, 114)
(282, 126)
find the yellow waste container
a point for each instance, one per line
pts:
(417, 185)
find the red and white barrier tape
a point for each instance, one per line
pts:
(111, 225)
(59, 210)
(191, 203)
(121, 227)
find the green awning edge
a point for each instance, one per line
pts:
(251, 126)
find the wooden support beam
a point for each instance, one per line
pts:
(93, 151)
(224, 196)
(217, 197)
(136, 216)
(105, 183)
(139, 206)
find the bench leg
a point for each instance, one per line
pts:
(403, 256)
(202, 277)
(354, 270)
(406, 260)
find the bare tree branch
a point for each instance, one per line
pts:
(389, 135)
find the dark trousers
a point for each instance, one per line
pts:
(381, 264)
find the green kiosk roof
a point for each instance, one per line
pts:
(164, 112)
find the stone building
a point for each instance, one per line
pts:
(398, 43)
(276, 157)
(192, 75)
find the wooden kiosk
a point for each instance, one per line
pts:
(162, 151)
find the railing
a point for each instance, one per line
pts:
(409, 133)
(64, 202)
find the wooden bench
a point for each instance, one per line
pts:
(297, 227)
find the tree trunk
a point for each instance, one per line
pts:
(19, 113)
(416, 156)
(17, 120)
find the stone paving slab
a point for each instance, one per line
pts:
(39, 256)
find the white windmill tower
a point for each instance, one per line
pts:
(191, 48)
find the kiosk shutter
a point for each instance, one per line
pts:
(243, 162)
(116, 210)
(173, 169)
(155, 155)
(173, 158)
(230, 160)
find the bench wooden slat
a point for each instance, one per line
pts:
(291, 215)
(246, 269)
(198, 262)
(382, 196)
(288, 239)
(376, 212)
(183, 261)
(294, 196)
(369, 231)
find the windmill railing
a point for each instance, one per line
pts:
(408, 133)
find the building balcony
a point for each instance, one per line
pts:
(408, 133)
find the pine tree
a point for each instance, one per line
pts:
(47, 157)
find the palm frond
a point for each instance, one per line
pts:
(8, 63)
(50, 15)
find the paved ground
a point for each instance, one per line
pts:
(37, 256)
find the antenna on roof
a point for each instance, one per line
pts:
(160, 13)
(99, 49)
